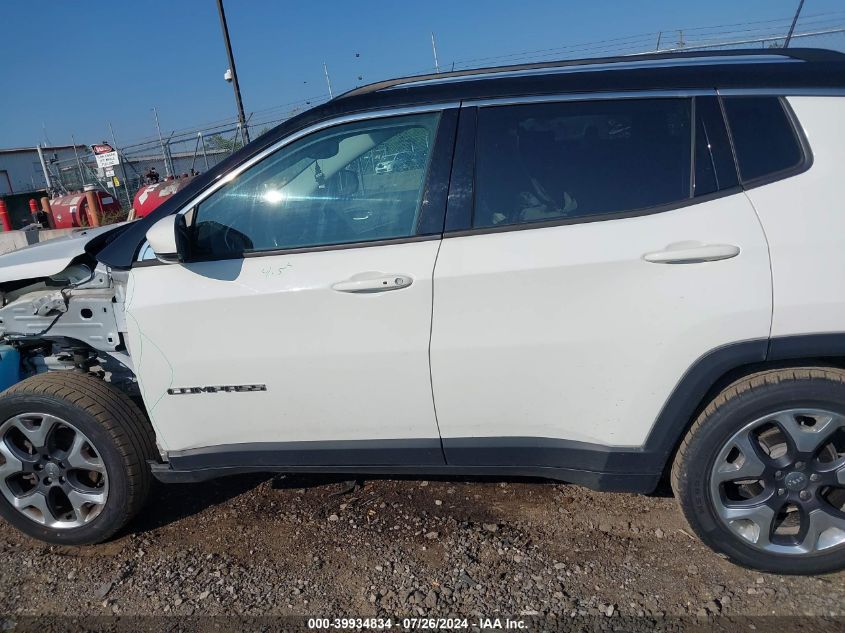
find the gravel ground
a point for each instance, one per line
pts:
(255, 545)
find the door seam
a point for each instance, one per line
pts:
(430, 337)
(771, 268)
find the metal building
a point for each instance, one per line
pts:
(20, 167)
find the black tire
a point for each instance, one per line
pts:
(742, 402)
(119, 432)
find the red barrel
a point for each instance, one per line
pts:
(72, 210)
(151, 196)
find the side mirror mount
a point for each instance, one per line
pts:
(168, 239)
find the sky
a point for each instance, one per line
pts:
(71, 68)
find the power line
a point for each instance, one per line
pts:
(602, 45)
(756, 40)
(751, 22)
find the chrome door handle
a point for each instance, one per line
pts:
(692, 253)
(373, 282)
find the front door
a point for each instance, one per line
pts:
(299, 332)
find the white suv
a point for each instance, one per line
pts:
(603, 272)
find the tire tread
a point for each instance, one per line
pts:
(121, 418)
(735, 394)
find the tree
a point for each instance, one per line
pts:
(218, 142)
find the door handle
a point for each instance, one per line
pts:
(373, 282)
(692, 253)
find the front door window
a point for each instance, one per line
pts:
(350, 183)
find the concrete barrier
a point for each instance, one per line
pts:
(51, 234)
(13, 240)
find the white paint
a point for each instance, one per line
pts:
(337, 365)
(162, 236)
(47, 258)
(566, 332)
(168, 189)
(146, 192)
(804, 220)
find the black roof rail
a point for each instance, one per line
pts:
(798, 54)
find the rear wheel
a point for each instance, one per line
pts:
(73, 458)
(761, 474)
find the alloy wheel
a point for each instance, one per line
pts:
(779, 482)
(50, 471)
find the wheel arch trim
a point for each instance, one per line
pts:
(712, 371)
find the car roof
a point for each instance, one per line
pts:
(787, 69)
(729, 62)
(793, 69)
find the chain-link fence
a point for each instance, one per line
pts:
(172, 158)
(176, 154)
(187, 152)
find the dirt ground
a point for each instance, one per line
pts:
(308, 545)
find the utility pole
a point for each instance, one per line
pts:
(78, 163)
(235, 86)
(161, 142)
(122, 166)
(44, 168)
(328, 81)
(434, 50)
(201, 139)
(794, 22)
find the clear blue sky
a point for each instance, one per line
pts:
(72, 67)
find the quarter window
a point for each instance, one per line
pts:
(764, 140)
(356, 182)
(570, 160)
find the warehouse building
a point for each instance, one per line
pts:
(22, 176)
(20, 168)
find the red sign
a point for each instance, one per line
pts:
(102, 149)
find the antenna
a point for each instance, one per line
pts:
(794, 22)
(328, 81)
(434, 50)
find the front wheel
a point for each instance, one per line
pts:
(760, 476)
(73, 458)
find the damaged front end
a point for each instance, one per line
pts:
(72, 319)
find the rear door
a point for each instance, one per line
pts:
(603, 247)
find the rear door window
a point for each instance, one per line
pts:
(579, 159)
(764, 139)
(714, 164)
